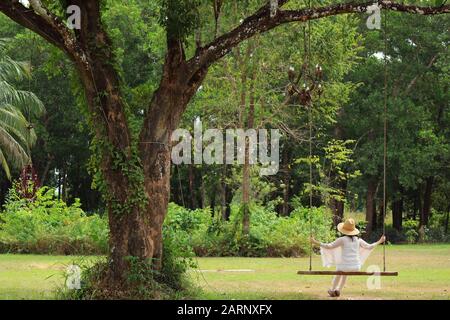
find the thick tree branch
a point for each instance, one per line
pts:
(40, 20)
(91, 51)
(92, 34)
(261, 22)
(29, 19)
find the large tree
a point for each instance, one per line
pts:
(417, 103)
(135, 169)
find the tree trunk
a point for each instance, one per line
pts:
(203, 196)
(138, 231)
(287, 173)
(246, 167)
(64, 186)
(338, 206)
(212, 200)
(226, 193)
(59, 185)
(447, 221)
(397, 206)
(192, 190)
(397, 214)
(370, 206)
(338, 211)
(417, 204)
(224, 200)
(246, 196)
(380, 218)
(5, 185)
(45, 171)
(426, 209)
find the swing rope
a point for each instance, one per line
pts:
(385, 146)
(310, 124)
(310, 186)
(385, 134)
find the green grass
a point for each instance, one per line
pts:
(32, 276)
(424, 273)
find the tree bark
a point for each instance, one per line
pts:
(447, 221)
(246, 168)
(338, 206)
(426, 208)
(139, 233)
(380, 217)
(59, 185)
(64, 185)
(192, 190)
(202, 195)
(224, 194)
(225, 210)
(287, 174)
(397, 214)
(370, 206)
(212, 199)
(246, 196)
(417, 204)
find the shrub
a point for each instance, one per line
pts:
(47, 225)
(270, 235)
(50, 226)
(410, 230)
(438, 229)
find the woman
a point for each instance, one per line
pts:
(347, 253)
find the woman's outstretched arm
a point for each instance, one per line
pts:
(365, 245)
(336, 243)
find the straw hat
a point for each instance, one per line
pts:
(348, 228)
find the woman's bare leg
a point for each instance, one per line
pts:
(342, 283)
(336, 282)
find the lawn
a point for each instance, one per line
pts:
(424, 273)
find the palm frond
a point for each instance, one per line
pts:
(17, 125)
(12, 149)
(3, 42)
(10, 116)
(14, 70)
(5, 165)
(26, 101)
(16, 134)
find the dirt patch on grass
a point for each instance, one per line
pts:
(46, 266)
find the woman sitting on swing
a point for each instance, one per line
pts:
(347, 253)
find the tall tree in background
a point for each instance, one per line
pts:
(135, 168)
(417, 121)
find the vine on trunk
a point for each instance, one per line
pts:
(125, 162)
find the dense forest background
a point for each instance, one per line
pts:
(250, 88)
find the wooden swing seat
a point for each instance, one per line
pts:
(348, 273)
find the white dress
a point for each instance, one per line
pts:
(345, 253)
